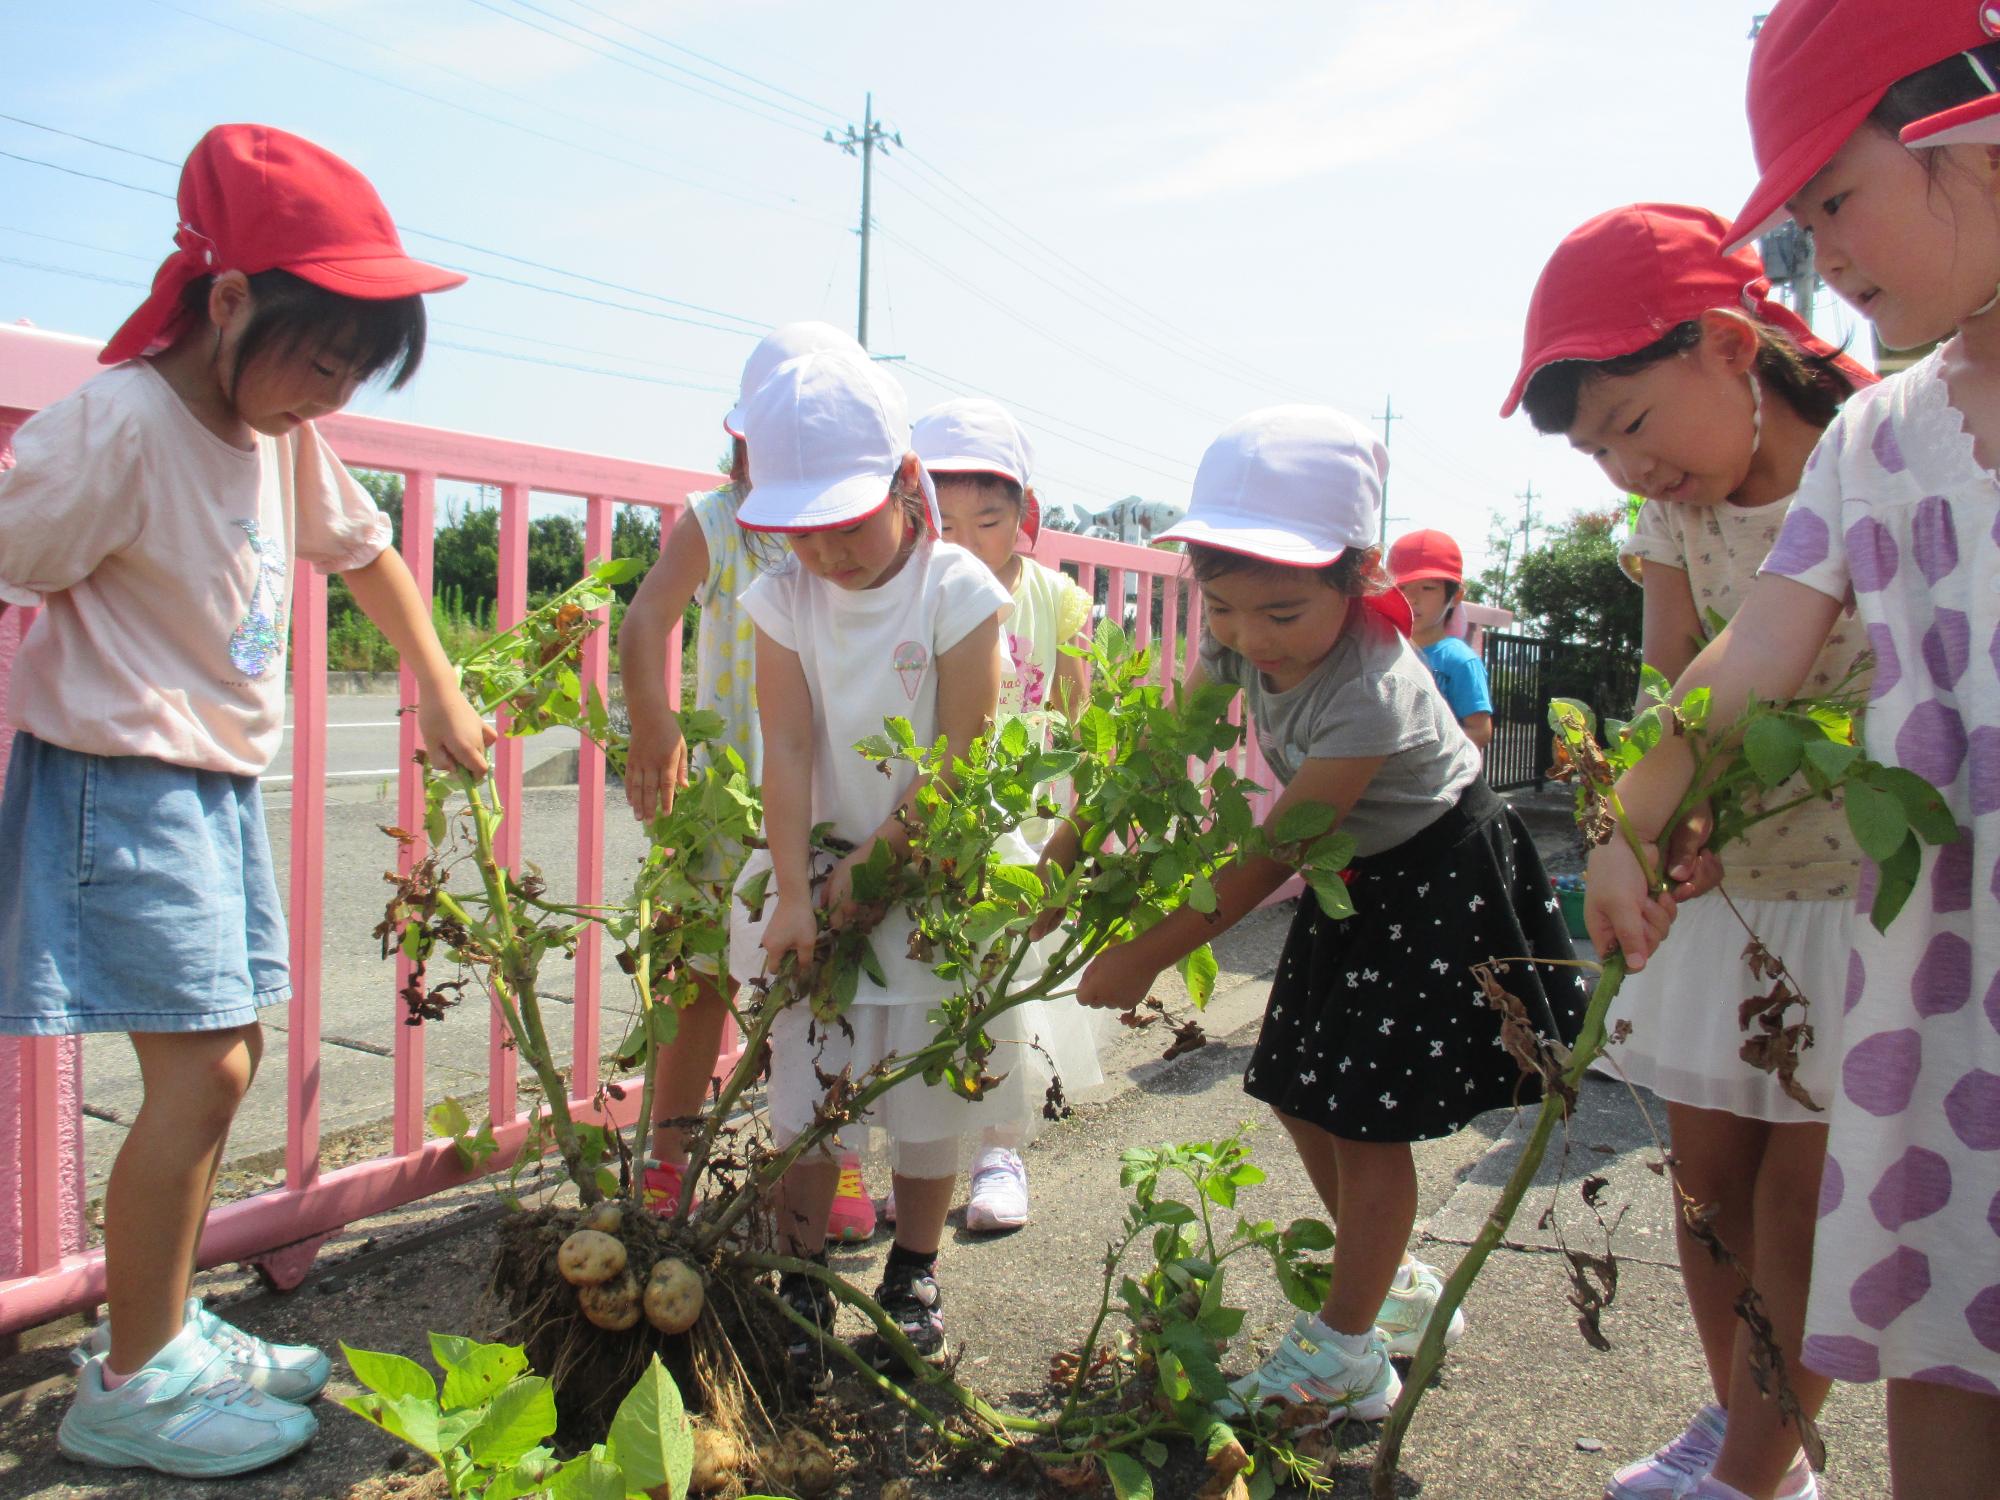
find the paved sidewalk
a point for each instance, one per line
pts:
(1523, 1407)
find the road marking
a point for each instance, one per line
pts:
(330, 776)
(358, 724)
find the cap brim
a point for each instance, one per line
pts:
(974, 466)
(1794, 167)
(807, 505)
(733, 422)
(1597, 347)
(1976, 123)
(1426, 575)
(377, 278)
(1262, 542)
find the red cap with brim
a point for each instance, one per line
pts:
(1626, 278)
(253, 198)
(1973, 124)
(1820, 67)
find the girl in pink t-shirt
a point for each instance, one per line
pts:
(155, 516)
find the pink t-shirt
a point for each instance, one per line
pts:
(161, 556)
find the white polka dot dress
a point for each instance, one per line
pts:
(1896, 513)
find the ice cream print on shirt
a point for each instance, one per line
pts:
(259, 640)
(910, 660)
(1024, 690)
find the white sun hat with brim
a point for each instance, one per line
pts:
(780, 344)
(973, 435)
(827, 438)
(1293, 485)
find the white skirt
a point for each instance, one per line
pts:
(1686, 1045)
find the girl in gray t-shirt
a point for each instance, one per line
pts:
(1377, 1033)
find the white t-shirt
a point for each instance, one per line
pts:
(161, 557)
(870, 654)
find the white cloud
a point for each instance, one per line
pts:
(1400, 76)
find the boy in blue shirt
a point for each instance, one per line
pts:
(1427, 567)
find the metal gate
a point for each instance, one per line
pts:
(1523, 674)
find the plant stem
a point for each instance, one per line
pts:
(1113, 1258)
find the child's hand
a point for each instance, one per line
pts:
(791, 930)
(1058, 859)
(1115, 980)
(837, 895)
(656, 766)
(1619, 907)
(453, 733)
(1694, 868)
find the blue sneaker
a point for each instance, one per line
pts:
(1406, 1311)
(186, 1412)
(1303, 1369)
(291, 1372)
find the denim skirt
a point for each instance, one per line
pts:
(134, 896)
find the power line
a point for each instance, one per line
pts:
(762, 83)
(130, 187)
(89, 140)
(872, 137)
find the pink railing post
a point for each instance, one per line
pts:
(418, 544)
(302, 1072)
(584, 1017)
(511, 609)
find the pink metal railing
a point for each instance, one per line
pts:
(281, 1228)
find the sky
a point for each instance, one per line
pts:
(1131, 222)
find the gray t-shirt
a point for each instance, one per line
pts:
(1371, 695)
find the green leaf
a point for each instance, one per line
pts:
(1200, 970)
(1129, 1479)
(1896, 878)
(1303, 821)
(1020, 881)
(450, 1351)
(700, 724)
(1201, 893)
(391, 1375)
(1307, 1236)
(650, 1433)
(448, 1118)
(589, 1476)
(1831, 760)
(1877, 819)
(1153, 1453)
(1196, 1352)
(988, 918)
(1170, 1212)
(1774, 746)
(1693, 708)
(1262, 1483)
(1570, 717)
(1333, 896)
(1922, 803)
(1013, 741)
(616, 570)
(409, 1417)
(482, 1373)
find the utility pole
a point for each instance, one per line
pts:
(1387, 419)
(1529, 520)
(865, 143)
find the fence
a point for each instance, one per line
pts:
(52, 1271)
(1523, 674)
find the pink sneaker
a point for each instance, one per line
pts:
(660, 1187)
(853, 1216)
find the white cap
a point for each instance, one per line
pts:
(777, 346)
(1297, 485)
(827, 437)
(972, 435)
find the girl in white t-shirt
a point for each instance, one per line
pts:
(1665, 360)
(876, 618)
(979, 459)
(155, 517)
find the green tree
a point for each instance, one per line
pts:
(1571, 588)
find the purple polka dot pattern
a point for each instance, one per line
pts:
(1891, 1287)
(1983, 772)
(1833, 1188)
(1934, 539)
(1857, 978)
(1802, 545)
(1872, 556)
(1888, 452)
(1993, 1215)
(1864, 887)
(1841, 1358)
(1932, 743)
(1993, 649)
(1963, 1379)
(1951, 872)
(1948, 647)
(1888, 664)
(1917, 1185)
(1880, 1071)
(1993, 1002)
(1982, 1316)
(1942, 984)
(1973, 1108)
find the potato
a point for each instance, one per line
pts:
(799, 1462)
(613, 1305)
(590, 1257)
(673, 1295)
(717, 1458)
(606, 1217)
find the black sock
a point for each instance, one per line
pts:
(901, 1259)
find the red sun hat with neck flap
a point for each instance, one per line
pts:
(253, 198)
(1626, 278)
(1821, 66)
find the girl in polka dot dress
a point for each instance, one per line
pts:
(1875, 123)
(1663, 358)
(1377, 1033)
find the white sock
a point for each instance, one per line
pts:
(1347, 1343)
(1406, 1276)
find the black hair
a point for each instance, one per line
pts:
(1813, 385)
(1357, 572)
(1015, 494)
(289, 314)
(1943, 85)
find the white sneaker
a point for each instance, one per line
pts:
(1360, 1387)
(999, 1192)
(1406, 1311)
(1674, 1470)
(184, 1412)
(291, 1372)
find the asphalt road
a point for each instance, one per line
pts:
(361, 761)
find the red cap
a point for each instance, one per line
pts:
(1426, 554)
(1820, 67)
(1626, 278)
(253, 198)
